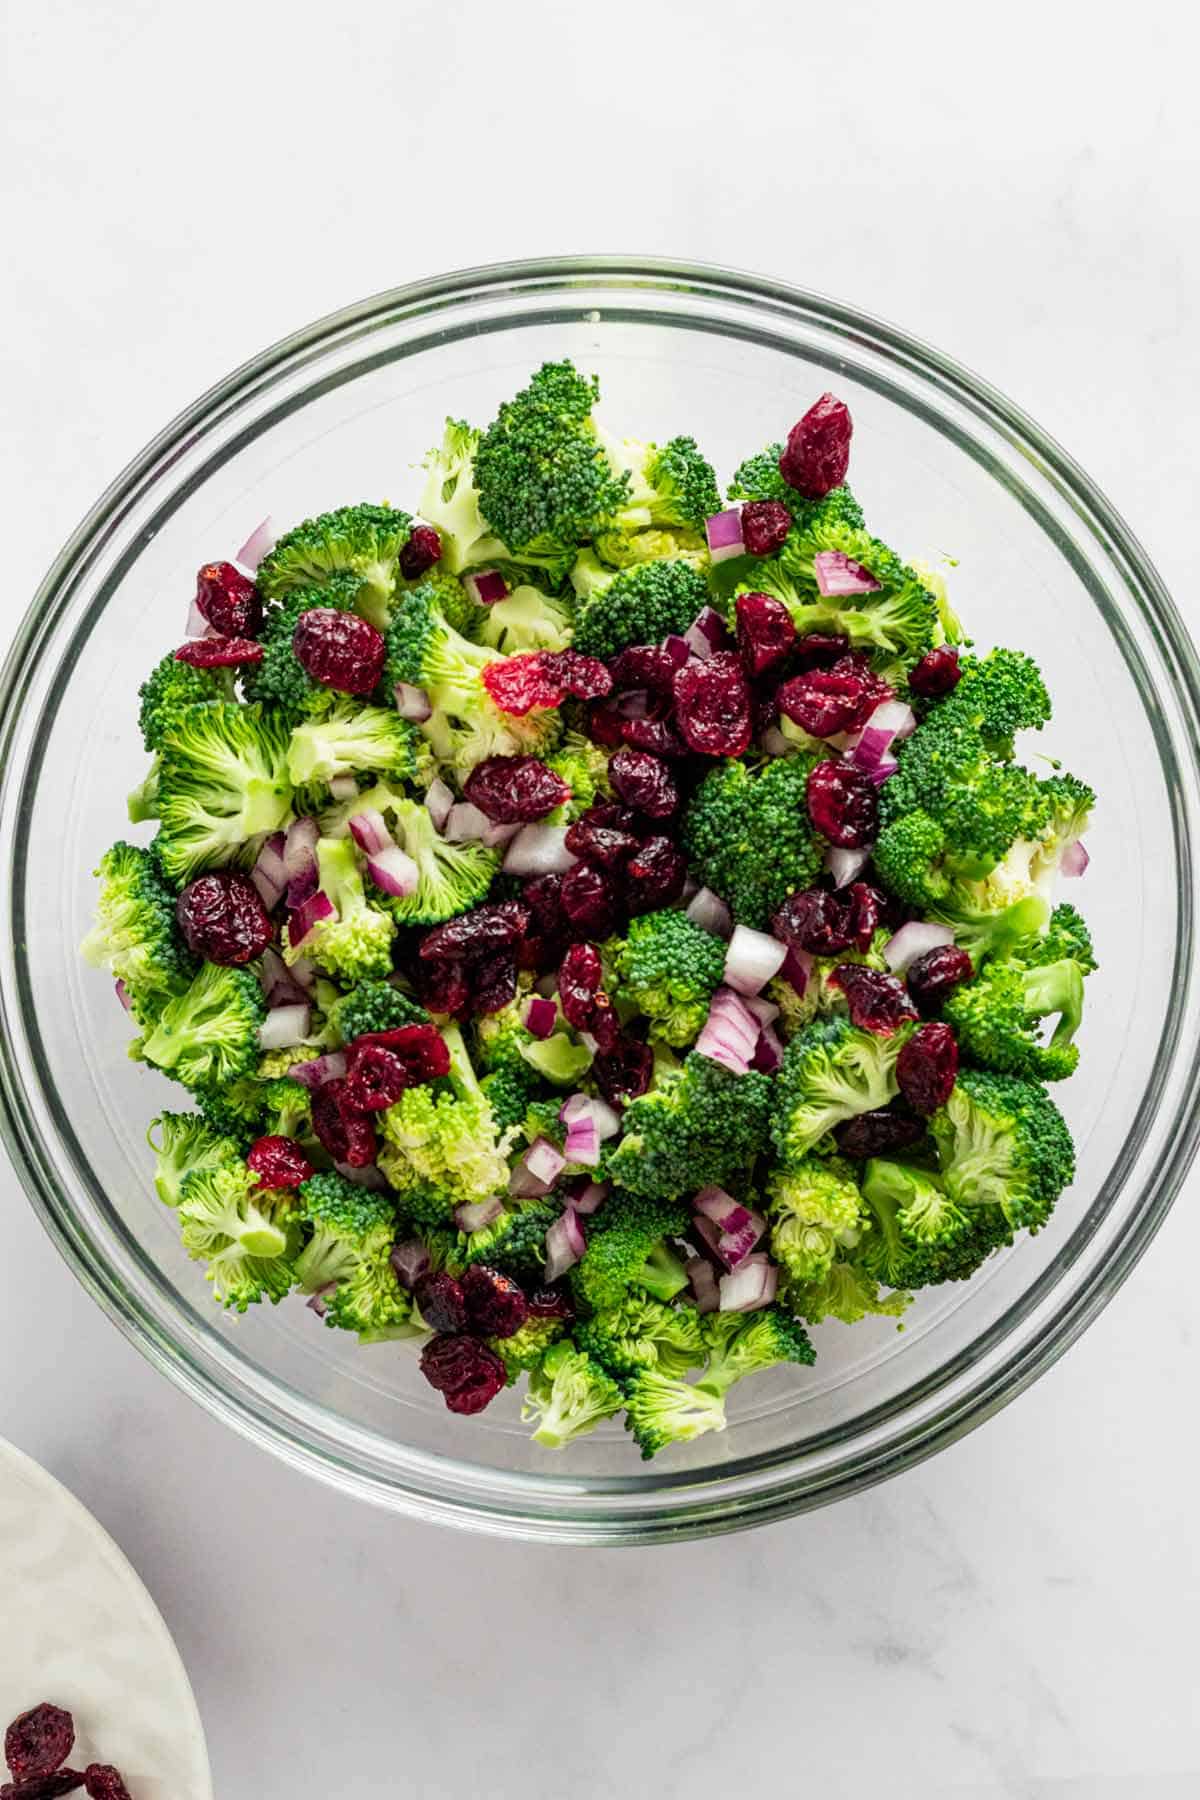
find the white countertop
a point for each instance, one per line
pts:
(1015, 1618)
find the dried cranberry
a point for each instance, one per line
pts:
(644, 781)
(377, 1078)
(843, 804)
(814, 920)
(857, 667)
(765, 699)
(518, 684)
(538, 954)
(655, 876)
(765, 525)
(927, 1067)
(442, 1303)
(543, 896)
(817, 649)
(876, 1001)
(585, 677)
(877, 1134)
(821, 702)
(765, 632)
(551, 1303)
(590, 901)
(419, 554)
(623, 1072)
(279, 1162)
(579, 981)
(228, 600)
(43, 1787)
(39, 1740)
(495, 1304)
(937, 672)
(603, 1023)
(932, 976)
(605, 727)
(658, 736)
(219, 652)
(102, 1782)
(443, 987)
(644, 666)
(817, 454)
(420, 1049)
(339, 649)
(223, 919)
(515, 789)
(494, 981)
(345, 1132)
(480, 931)
(603, 835)
(465, 1372)
(866, 910)
(712, 705)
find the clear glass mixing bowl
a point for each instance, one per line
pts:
(945, 467)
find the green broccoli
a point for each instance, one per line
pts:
(699, 1126)
(355, 944)
(352, 739)
(847, 1292)
(135, 936)
(287, 1109)
(280, 679)
(999, 694)
(661, 1410)
(625, 1249)
(526, 620)
(568, 1395)
(919, 1236)
(641, 605)
(235, 1109)
(669, 969)
(741, 1344)
(831, 1071)
(373, 1006)
(515, 1241)
(209, 1033)
(450, 502)
(997, 1017)
(1002, 1142)
(748, 836)
(444, 1136)
(526, 1347)
(170, 686)
(364, 540)
(142, 802)
(504, 1040)
(760, 478)
(223, 782)
(245, 1235)
(584, 767)
(642, 1333)
(669, 488)
(899, 618)
(815, 1212)
(1066, 936)
(1007, 931)
(452, 877)
(370, 1301)
(509, 1091)
(350, 1225)
(1070, 802)
(185, 1143)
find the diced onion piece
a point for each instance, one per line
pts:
(300, 860)
(369, 830)
(486, 586)
(588, 1041)
(752, 959)
(394, 872)
(410, 1261)
(708, 1233)
(733, 1247)
(464, 823)
(702, 1278)
(269, 874)
(524, 1186)
(750, 1286)
(544, 1161)
(638, 703)
(366, 1176)
(883, 771)
(122, 993)
(724, 534)
(591, 1198)
(730, 1035)
(768, 1054)
(279, 984)
(588, 1106)
(257, 545)
(1075, 860)
(438, 801)
(319, 1069)
(473, 1216)
(706, 633)
(846, 865)
(797, 969)
(565, 1244)
(725, 1212)
(839, 574)
(765, 1011)
(308, 914)
(582, 1144)
(343, 787)
(677, 648)
(285, 1027)
(197, 625)
(891, 719)
(541, 1017)
(412, 703)
(496, 835)
(304, 973)
(710, 912)
(774, 743)
(539, 850)
(319, 1302)
(912, 940)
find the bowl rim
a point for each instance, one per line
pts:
(678, 1514)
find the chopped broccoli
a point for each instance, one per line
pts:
(643, 1333)
(1066, 935)
(831, 1071)
(741, 1344)
(350, 1225)
(515, 1241)
(900, 618)
(919, 1237)
(1003, 932)
(1070, 802)
(444, 1136)
(235, 1109)
(245, 1235)
(223, 781)
(1002, 1142)
(748, 835)
(209, 1033)
(351, 739)
(698, 1126)
(170, 686)
(997, 1017)
(526, 620)
(815, 1212)
(642, 605)
(661, 1410)
(450, 502)
(625, 1250)
(584, 767)
(287, 1108)
(526, 1347)
(668, 488)
(669, 969)
(280, 679)
(999, 694)
(568, 1395)
(355, 944)
(186, 1142)
(509, 1091)
(364, 540)
(135, 936)
(373, 1006)
(452, 877)
(371, 1301)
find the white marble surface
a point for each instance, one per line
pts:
(1018, 185)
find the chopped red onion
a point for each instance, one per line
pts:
(473, 1217)
(706, 633)
(541, 1017)
(709, 1236)
(367, 1176)
(197, 625)
(774, 743)
(547, 985)
(565, 1244)
(677, 648)
(797, 968)
(1075, 860)
(319, 1069)
(725, 1212)
(768, 1054)
(587, 1106)
(122, 993)
(524, 1186)
(394, 872)
(750, 1286)
(883, 771)
(269, 873)
(752, 959)
(464, 823)
(703, 1282)
(300, 860)
(410, 1261)
(318, 1302)
(544, 1161)
(839, 574)
(724, 534)
(256, 546)
(279, 984)
(765, 1011)
(497, 835)
(486, 586)
(343, 787)
(846, 865)
(304, 973)
(591, 1198)
(369, 830)
(588, 1041)
(308, 914)
(285, 1027)
(438, 799)
(913, 940)
(710, 912)
(638, 703)
(539, 850)
(891, 719)
(412, 703)
(582, 1144)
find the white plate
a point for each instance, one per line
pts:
(79, 1629)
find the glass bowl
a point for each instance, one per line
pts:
(945, 468)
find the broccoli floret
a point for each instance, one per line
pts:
(760, 478)
(450, 502)
(899, 618)
(748, 836)
(135, 935)
(642, 1333)
(223, 781)
(642, 605)
(373, 1006)
(516, 1241)
(1070, 803)
(355, 944)
(672, 488)
(545, 484)
(919, 1237)
(509, 1091)
(235, 1109)
(350, 739)
(186, 1142)
(209, 1033)
(280, 679)
(444, 1136)
(815, 1212)
(350, 1225)
(287, 1108)
(741, 1344)
(661, 1410)
(1006, 932)
(245, 1235)
(1066, 936)
(526, 620)
(525, 1349)
(1002, 1142)
(370, 1301)
(172, 685)
(625, 1250)
(1000, 694)
(699, 1126)
(669, 969)
(142, 802)
(831, 1071)
(997, 1017)
(452, 877)
(568, 1395)
(584, 767)
(364, 540)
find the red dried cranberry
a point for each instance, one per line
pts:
(551, 1303)
(377, 1078)
(603, 835)
(712, 705)
(818, 449)
(585, 677)
(655, 876)
(814, 920)
(223, 919)
(857, 667)
(422, 550)
(543, 896)
(623, 1072)
(345, 1132)
(605, 727)
(876, 1001)
(480, 931)
(658, 736)
(603, 1023)
(932, 976)
(219, 652)
(512, 790)
(937, 672)
(843, 804)
(579, 981)
(43, 1787)
(421, 1049)
(339, 649)
(765, 525)
(494, 981)
(518, 684)
(228, 600)
(39, 1740)
(866, 909)
(821, 702)
(645, 782)
(877, 1134)
(817, 649)
(443, 987)
(927, 1067)
(102, 1782)
(590, 901)
(496, 1307)
(442, 1303)
(765, 632)
(465, 1372)
(538, 954)
(279, 1162)
(765, 706)
(644, 666)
